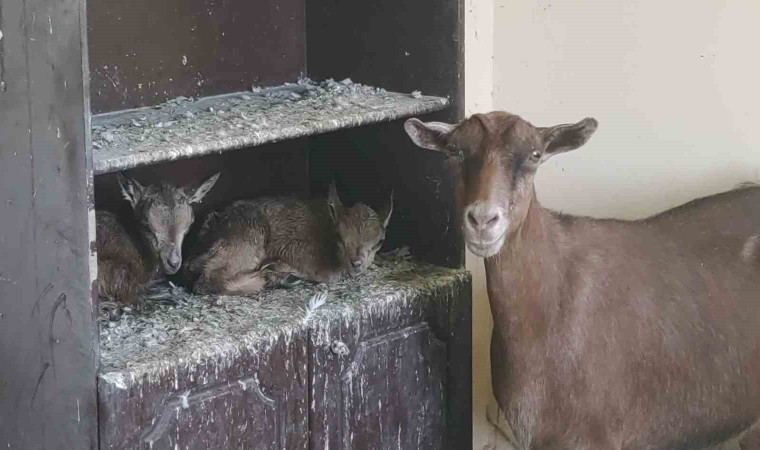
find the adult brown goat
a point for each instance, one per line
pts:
(608, 334)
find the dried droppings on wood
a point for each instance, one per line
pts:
(184, 128)
(178, 326)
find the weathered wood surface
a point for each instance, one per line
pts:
(170, 374)
(384, 377)
(143, 53)
(185, 129)
(48, 342)
(254, 400)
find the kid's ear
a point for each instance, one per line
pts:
(333, 202)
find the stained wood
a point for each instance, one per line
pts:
(173, 376)
(255, 400)
(47, 335)
(185, 129)
(143, 53)
(392, 385)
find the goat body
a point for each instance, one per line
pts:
(608, 334)
(630, 335)
(124, 266)
(253, 243)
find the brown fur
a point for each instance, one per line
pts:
(124, 269)
(608, 334)
(149, 244)
(253, 243)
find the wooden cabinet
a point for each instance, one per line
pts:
(368, 371)
(163, 92)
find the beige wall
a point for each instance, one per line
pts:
(674, 84)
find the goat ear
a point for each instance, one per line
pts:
(200, 192)
(385, 213)
(564, 138)
(334, 204)
(131, 190)
(428, 135)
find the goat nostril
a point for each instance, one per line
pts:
(472, 219)
(493, 220)
(173, 263)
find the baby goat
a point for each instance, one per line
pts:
(149, 246)
(253, 243)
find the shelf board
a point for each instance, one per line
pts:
(185, 128)
(165, 336)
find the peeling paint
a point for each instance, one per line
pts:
(116, 379)
(2, 57)
(183, 400)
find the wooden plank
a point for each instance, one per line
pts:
(184, 129)
(47, 334)
(459, 372)
(142, 54)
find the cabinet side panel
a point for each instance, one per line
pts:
(47, 335)
(459, 373)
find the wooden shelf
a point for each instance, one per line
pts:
(217, 330)
(186, 128)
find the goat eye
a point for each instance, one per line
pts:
(535, 156)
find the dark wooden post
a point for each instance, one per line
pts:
(48, 351)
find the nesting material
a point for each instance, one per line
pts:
(180, 327)
(184, 127)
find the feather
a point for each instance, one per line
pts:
(316, 301)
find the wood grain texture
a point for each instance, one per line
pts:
(47, 334)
